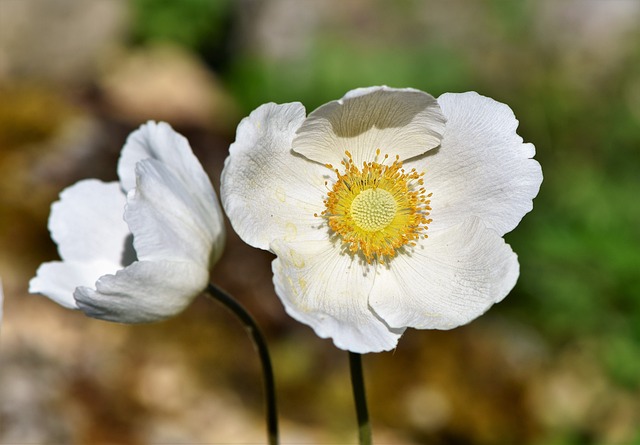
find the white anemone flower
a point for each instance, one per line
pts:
(385, 209)
(138, 250)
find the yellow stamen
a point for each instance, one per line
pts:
(377, 209)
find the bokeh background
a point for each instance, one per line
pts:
(557, 362)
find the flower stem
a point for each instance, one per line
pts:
(261, 347)
(360, 399)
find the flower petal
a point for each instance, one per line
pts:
(449, 279)
(172, 221)
(159, 141)
(482, 167)
(87, 222)
(268, 191)
(145, 291)
(58, 280)
(328, 291)
(404, 122)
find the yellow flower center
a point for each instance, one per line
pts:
(377, 209)
(373, 209)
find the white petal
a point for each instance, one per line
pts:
(87, 222)
(170, 220)
(451, 278)
(268, 191)
(328, 291)
(58, 280)
(482, 167)
(159, 141)
(143, 292)
(404, 122)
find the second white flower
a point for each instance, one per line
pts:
(386, 209)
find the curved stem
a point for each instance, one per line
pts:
(360, 399)
(261, 347)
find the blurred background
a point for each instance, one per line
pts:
(557, 362)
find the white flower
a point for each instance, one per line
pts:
(154, 262)
(346, 197)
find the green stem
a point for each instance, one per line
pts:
(261, 347)
(360, 399)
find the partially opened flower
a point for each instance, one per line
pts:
(386, 209)
(139, 250)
